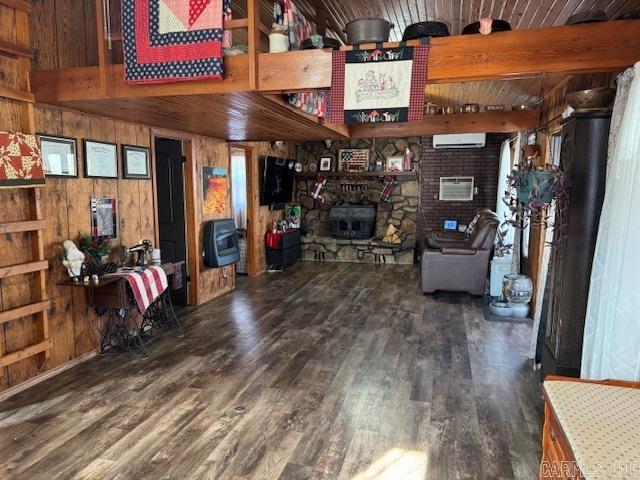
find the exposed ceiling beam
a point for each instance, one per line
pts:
(493, 122)
(570, 49)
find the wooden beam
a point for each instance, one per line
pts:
(565, 50)
(15, 50)
(15, 313)
(23, 268)
(30, 351)
(20, 5)
(83, 83)
(26, 226)
(104, 54)
(493, 122)
(253, 39)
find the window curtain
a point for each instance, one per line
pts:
(611, 346)
(239, 188)
(502, 208)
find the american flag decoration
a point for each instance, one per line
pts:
(353, 160)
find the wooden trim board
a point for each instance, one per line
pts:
(15, 313)
(490, 122)
(23, 268)
(26, 226)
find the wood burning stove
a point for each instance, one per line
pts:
(352, 221)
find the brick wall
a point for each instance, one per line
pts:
(481, 163)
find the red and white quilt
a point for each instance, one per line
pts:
(172, 40)
(20, 160)
(146, 285)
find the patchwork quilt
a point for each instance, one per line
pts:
(379, 85)
(173, 40)
(20, 160)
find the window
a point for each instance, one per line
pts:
(239, 187)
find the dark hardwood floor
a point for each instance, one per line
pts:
(342, 371)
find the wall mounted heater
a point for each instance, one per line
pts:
(221, 246)
(456, 189)
(460, 140)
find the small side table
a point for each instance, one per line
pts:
(113, 295)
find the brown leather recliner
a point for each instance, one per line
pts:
(440, 238)
(461, 266)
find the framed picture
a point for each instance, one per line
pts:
(100, 159)
(135, 162)
(214, 190)
(353, 160)
(59, 156)
(104, 220)
(394, 164)
(325, 164)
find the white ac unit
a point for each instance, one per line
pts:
(456, 189)
(460, 140)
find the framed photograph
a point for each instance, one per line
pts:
(325, 164)
(394, 164)
(104, 219)
(59, 156)
(100, 159)
(135, 162)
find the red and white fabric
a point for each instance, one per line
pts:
(146, 285)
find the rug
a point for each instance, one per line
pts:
(172, 40)
(380, 85)
(20, 160)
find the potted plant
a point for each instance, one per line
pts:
(96, 250)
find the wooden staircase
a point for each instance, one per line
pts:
(21, 52)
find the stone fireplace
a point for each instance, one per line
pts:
(358, 193)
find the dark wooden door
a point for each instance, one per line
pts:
(171, 207)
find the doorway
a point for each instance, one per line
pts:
(242, 205)
(171, 208)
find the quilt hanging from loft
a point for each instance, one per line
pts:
(379, 85)
(173, 40)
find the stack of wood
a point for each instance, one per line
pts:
(392, 235)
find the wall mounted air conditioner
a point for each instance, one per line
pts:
(456, 189)
(460, 140)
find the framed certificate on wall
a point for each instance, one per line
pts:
(58, 156)
(135, 162)
(100, 159)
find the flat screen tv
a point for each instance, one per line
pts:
(277, 180)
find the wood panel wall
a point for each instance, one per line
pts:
(73, 324)
(262, 217)
(63, 34)
(210, 152)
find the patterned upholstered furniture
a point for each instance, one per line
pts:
(590, 430)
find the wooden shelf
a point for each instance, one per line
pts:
(355, 174)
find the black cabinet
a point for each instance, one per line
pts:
(583, 158)
(289, 250)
